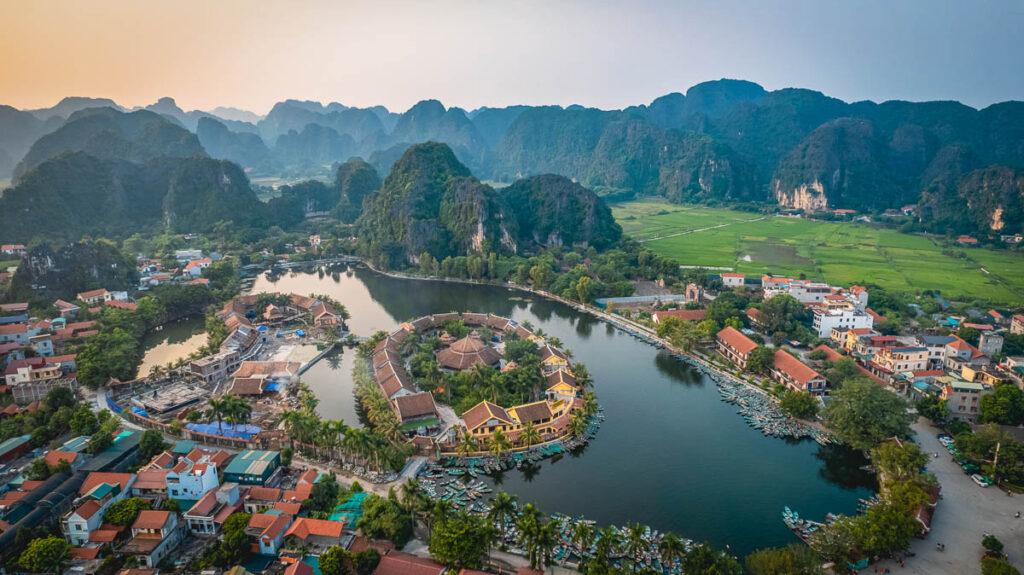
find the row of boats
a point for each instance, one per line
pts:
(764, 414)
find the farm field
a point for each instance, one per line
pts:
(839, 253)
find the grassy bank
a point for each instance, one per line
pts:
(839, 253)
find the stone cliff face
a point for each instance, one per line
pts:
(807, 197)
(995, 198)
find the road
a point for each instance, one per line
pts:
(683, 233)
(964, 513)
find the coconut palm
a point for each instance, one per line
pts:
(467, 444)
(156, 371)
(589, 403)
(529, 435)
(671, 548)
(577, 424)
(413, 499)
(547, 540)
(529, 532)
(502, 507)
(497, 444)
(635, 543)
(582, 537)
(218, 408)
(607, 544)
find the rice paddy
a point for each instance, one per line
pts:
(839, 253)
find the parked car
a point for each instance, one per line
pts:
(970, 468)
(980, 480)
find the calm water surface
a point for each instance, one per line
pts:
(670, 453)
(173, 342)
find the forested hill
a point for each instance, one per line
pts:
(430, 204)
(110, 173)
(728, 141)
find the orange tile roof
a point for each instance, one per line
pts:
(53, 458)
(84, 553)
(151, 519)
(741, 343)
(793, 367)
(96, 478)
(683, 314)
(88, 509)
(258, 493)
(398, 563)
(298, 568)
(151, 479)
(305, 527)
(102, 536)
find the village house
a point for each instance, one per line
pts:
(683, 314)
(184, 256)
(15, 333)
(268, 531)
(936, 345)
(151, 484)
(55, 458)
(319, 535)
(960, 353)
(195, 268)
(732, 280)
(155, 534)
(253, 378)
(795, 374)
(13, 249)
(191, 480)
(734, 346)
(97, 493)
(1017, 324)
(66, 309)
(990, 343)
(31, 379)
(399, 563)
(963, 398)
(417, 408)
(208, 514)
(890, 360)
(552, 358)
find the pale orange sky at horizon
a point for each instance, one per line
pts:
(604, 54)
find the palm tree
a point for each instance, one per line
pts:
(217, 410)
(502, 507)
(589, 403)
(577, 425)
(467, 444)
(497, 444)
(357, 441)
(582, 537)
(412, 498)
(547, 540)
(156, 371)
(529, 531)
(607, 543)
(529, 435)
(671, 547)
(635, 543)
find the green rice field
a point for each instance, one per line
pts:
(839, 253)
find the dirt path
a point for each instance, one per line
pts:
(683, 233)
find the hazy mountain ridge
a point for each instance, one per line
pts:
(724, 141)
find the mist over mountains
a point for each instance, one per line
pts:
(728, 141)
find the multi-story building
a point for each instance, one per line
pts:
(193, 476)
(32, 378)
(960, 353)
(734, 346)
(216, 367)
(900, 359)
(963, 398)
(990, 343)
(831, 317)
(97, 493)
(155, 534)
(208, 514)
(795, 374)
(1017, 324)
(732, 280)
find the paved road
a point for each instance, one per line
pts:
(965, 512)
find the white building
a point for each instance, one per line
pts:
(208, 514)
(97, 494)
(188, 480)
(154, 535)
(827, 319)
(732, 280)
(184, 256)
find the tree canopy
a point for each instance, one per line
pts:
(863, 414)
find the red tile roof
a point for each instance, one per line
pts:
(299, 568)
(53, 458)
(102, 536)
(151, 519)
(398, 563)
(793, 367)
(683, 314)
(96, 478)
(151, 479)
(736, 340)
(88, 509)
(304, 527)
(258, 493)
(85, 553)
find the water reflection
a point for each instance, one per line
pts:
(670, 453)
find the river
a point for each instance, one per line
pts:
(670, 453)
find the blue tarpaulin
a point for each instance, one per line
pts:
(225, 429)
(273, 386)
(139, 411)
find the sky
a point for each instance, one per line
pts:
(253, 53)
